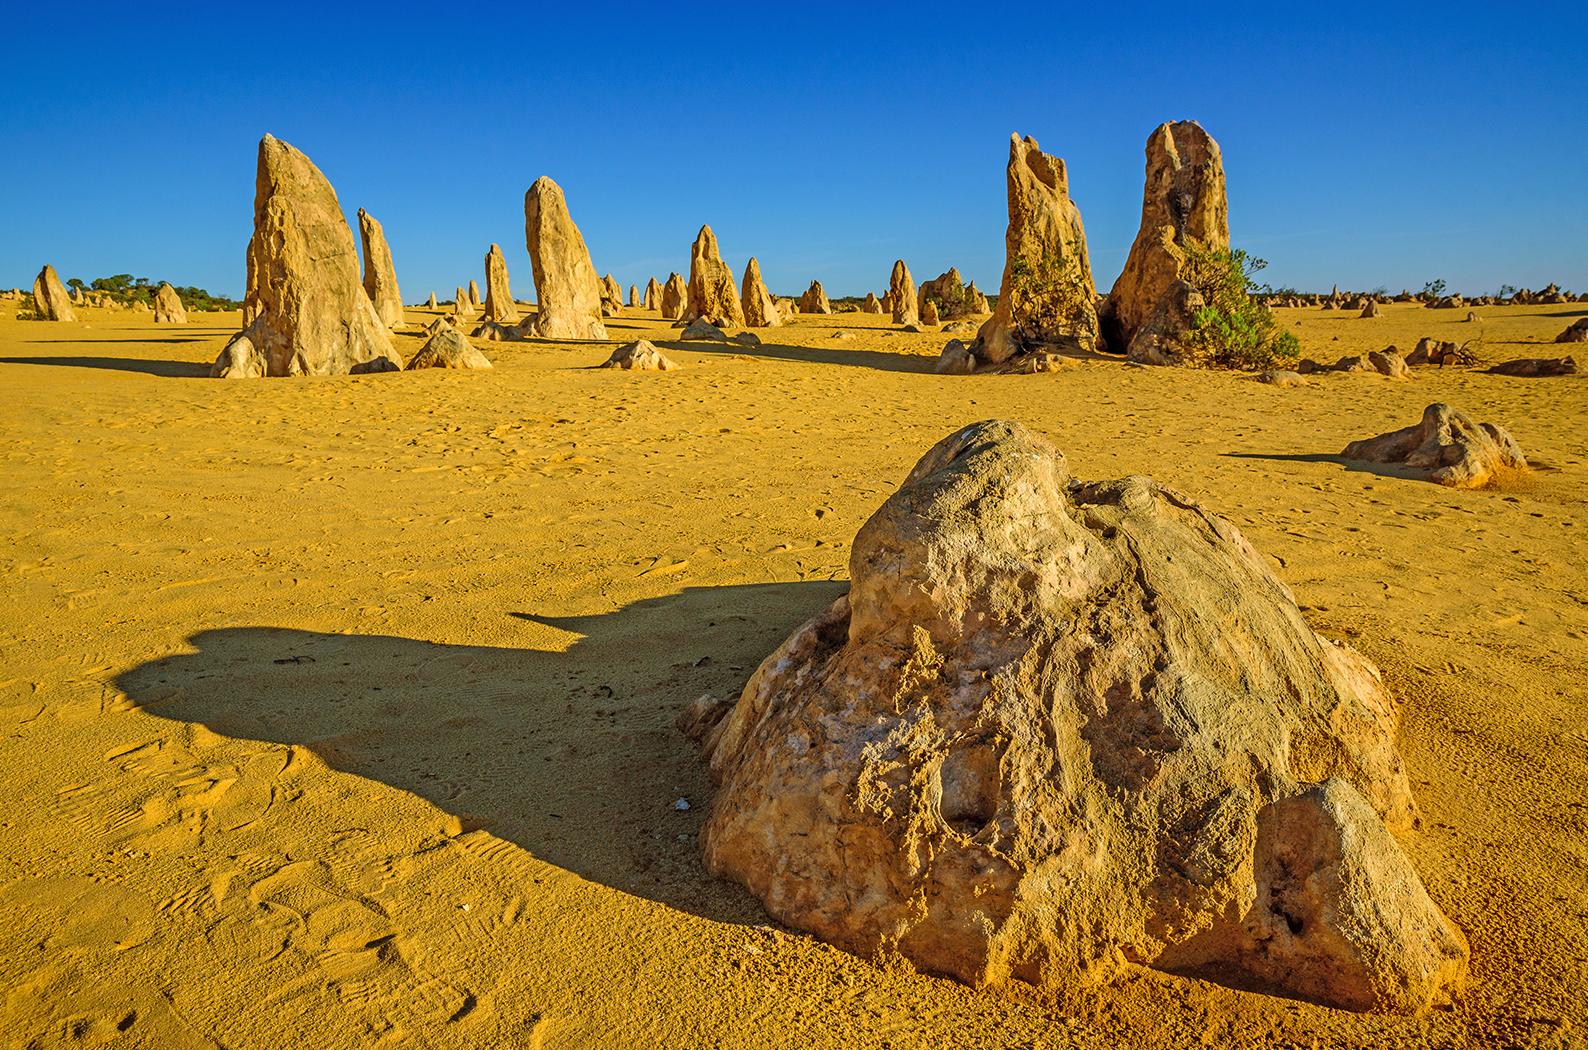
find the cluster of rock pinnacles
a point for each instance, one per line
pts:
(1055, 727)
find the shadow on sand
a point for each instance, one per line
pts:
(571, 754)
(1357, 466)
(169, 369)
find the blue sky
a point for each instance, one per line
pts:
(1372, 145)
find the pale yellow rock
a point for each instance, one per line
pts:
(380, 275)
(901, 293)
(814, 301)
(499, 305)
(567, 290)
(447, 348)
(1449, 447)
(168, 307)
(713, 293)
(640, 356)
(311, 314)
(1047, 298)
(50, 301)
(675, 295)
(760, 309)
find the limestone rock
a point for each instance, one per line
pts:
(703, 330)
(901, 291)
(1430, 351)
(929, 313)
(448, 349)
(814, 301)
(1576, 332)
(611, 296)
(311, 315)
(1184, 203)
(1473, 318)
(760, 309)
(496, 332)
(1047, 298)
(1161, 340)
(960, 328)
(239, 360)
(653, 295)
(168, 307)
(1055, 726)
(872, 305)
(499, 305)
(50, 300)
(380, 276)
(955, 360)
(431, 302)
(948, 293)
(1535, 367)
(374, 366)
(567, 291)
(634, 296)
(713, 293)
(462, 303)
(975, 301)
(675, 294)
(1370, 309)
(749, 339)
(640, 356)
(474, 294)
(1282, 378)
(1389, 363)
(1448, 447)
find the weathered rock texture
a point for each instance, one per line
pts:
(760, 309)
(814, 301)
(311, 314)
(901, 291)
(1184, 204)
(447, 348)
(1448, 447)
(634, 296)
(239, 359)
(1047, 299)
(929, 314)
(948, 292)
(872, 304)
(675, 293)
(1055, 726)
(713, 293)
(567, 291)
(499, 305)
(611, 295)
(1536, 367)
(640, 356)
(653, 295)
(50, 300)
(474, 294)
(168, 307)
(1576, 332)
(380, 276)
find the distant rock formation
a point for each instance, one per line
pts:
(653, 295)
(901, 293)
(949, 293)
(168, 307)
(499, 305)
(1057, 727)
(611, 296)
(976, 301)
(311, 315)
(1537, 367)
(380, 276)
(474, 294)
(640, 356)
(814, 301)
(1047, 300)
(1448, 447)
(1184, 205)
(872, 304)
(634, 296)
(567, 291)
(50, 301)
(929, 314)
(713, 293)
(1576, 332)
(675, 294)
(760, 309)
(431, 302)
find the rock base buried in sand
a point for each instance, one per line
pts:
(1057, 726)
(702, 330)
(1537, 367)
(641, 356)
(239, 360)
(1576, 332)
(448, 349)
(1282, 378)
(1448, 446)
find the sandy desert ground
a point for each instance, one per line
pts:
(339, 711)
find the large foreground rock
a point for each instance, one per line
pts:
(1047, 299)
(1058, 726)
(380, 275)
(499, 305)
(567, 290)
(760, 309)
(168, 308)
(902, 295)
(50, 300)
(1184, 205)
(311, 315)
(447, 348)
(713, 293)
(1448, 447)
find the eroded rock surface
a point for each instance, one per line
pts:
(380, 275)
(50, 301)
(640, 356)
(760, 309)
(447, 348)
(567, 290)
(1447, 446)
(1056, 725)
(713, 293)
(499, 305)
(168, 307)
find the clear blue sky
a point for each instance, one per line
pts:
(1366, 145)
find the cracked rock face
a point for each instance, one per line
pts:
(1058, 727)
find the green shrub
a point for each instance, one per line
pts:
(1232, 329)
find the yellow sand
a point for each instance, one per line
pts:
(338, 711)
